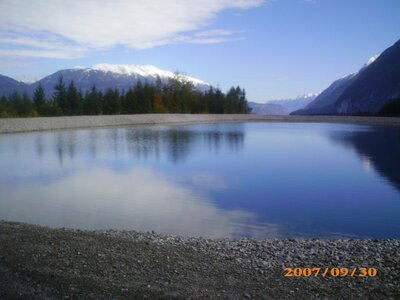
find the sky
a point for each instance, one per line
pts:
(275, 49)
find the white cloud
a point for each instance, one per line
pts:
(28, 78)
(94, 24)
(42, 53)
(215, 32)
(214, 36)
(214, 40)
(208, 181)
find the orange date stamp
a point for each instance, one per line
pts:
(331, 272)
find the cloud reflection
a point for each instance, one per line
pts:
(138, 199)
(208, 181)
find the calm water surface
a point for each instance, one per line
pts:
(210, 180)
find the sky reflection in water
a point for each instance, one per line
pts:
(212, 180)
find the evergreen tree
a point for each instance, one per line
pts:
(208, 98)
(27, 108)
(140, 95)
(187, 95)
(20, 106)
(147, 100)
(215, 101)
(39, 98)
(130, 102)
(73, 97)
(220, 99)
(112, 102)
(50, 108)
(60, 96)
(92, 103)
(4, 107)
(178, 96)
(242, 105)
(231, 101)
(14, 100)
(158, 86)
(391, 108)
(174, 100)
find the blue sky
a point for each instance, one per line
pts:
(274, 48)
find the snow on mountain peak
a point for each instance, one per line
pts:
(309, 95)
(141, 70)
(367, 63)
(371, 60)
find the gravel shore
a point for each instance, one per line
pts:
(39, 262)
(53, 123)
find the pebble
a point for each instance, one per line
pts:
(183, 266)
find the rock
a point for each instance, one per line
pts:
(246, 296)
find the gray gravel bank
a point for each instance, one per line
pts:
(38, 262)
(52, 123)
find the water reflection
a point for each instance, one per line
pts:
(39, 145)
(142, 143)
(263, 179)
(139, 199)
(60, 153)
(378, 148)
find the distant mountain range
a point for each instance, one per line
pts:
(104, 76)
(283, 106)
(8, 85)
(366, 91)
(266, 109)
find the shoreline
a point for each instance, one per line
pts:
(14, 125)
(41, 262)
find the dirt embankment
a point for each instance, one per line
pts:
(53, 123)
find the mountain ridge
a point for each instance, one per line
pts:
(104, 76)
(8, 85)
(363, 92)
(282, 106)
(376, 84)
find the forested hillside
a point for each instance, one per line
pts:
(178, 96)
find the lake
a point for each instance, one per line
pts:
(210, 180)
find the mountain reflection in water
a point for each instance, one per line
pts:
(378, 147)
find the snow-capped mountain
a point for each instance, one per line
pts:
(145, 71)
(104, 76)
(295, 103)
(328, 97)
(325, 101)
(282, 106)
(365, 91)
(148, 72)
(267, 109)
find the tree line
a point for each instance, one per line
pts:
(178, 96)
(391, 108)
